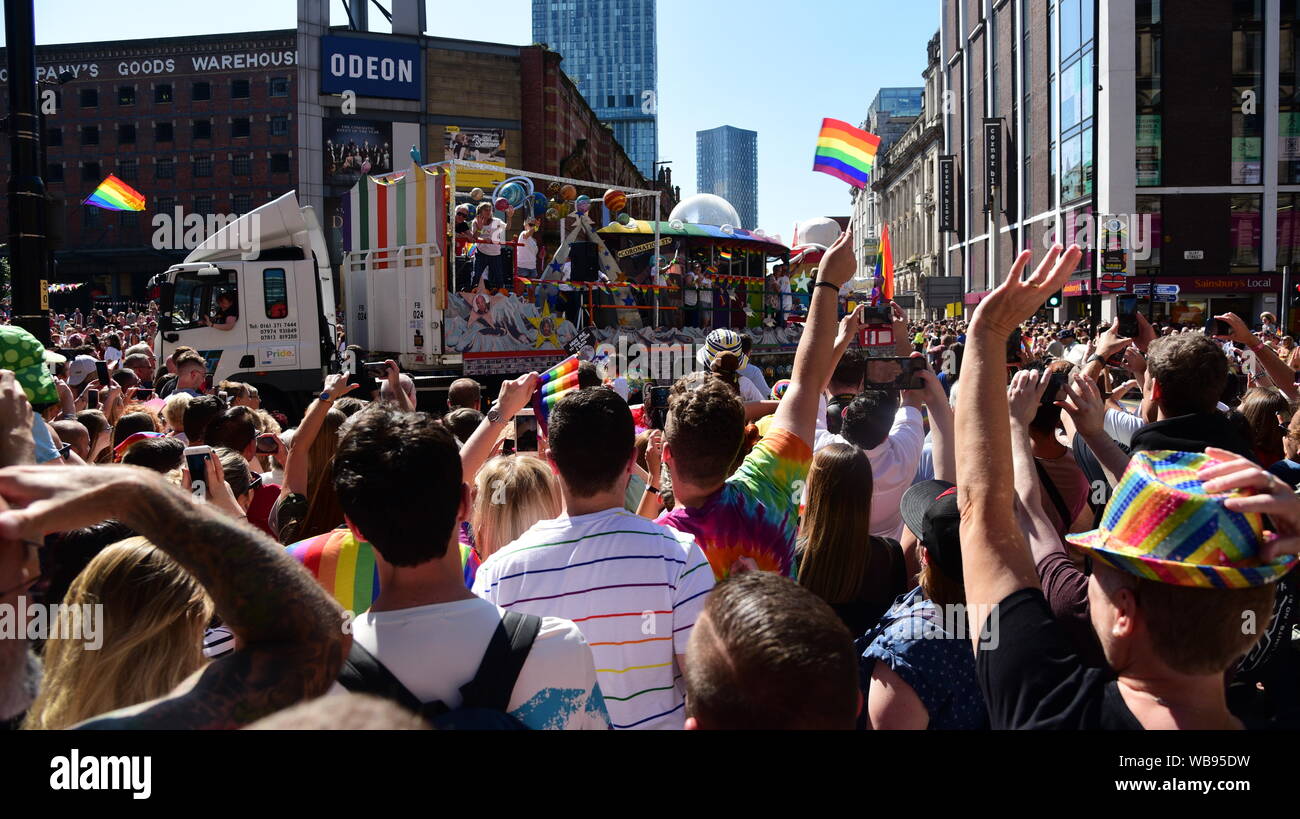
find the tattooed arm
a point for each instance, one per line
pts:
(289, 630)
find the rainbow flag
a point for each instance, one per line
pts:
(845, 152)
(885, 264)
(552, 386)
(725, 256)
(114, 194)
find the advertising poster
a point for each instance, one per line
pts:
(354, 148)
(1148, 149)
(487, 145)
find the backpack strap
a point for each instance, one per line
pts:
(504, 659)
(362, 673)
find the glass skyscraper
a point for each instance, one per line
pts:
(609, 50)
(726, 165)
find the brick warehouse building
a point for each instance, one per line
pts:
(1187, 135)
(216, 125)
(200, 123)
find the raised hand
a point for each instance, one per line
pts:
(1014, 301)
(1271, 496)
(839, 263)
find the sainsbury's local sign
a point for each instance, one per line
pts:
(386, 68)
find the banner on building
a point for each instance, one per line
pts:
(947, 194)
(1148, 149)
(993, 156)
(486, 145)
(355, 148)
(368, 67)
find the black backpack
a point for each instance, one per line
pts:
(486, 697)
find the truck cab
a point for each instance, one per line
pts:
(273, 265)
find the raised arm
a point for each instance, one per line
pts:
(1282, 375)
(290, 636)
(1024, 396)
(1088, 412)
(849, 326)
(513, 397)
(994, 553)
(812, 361)
(296, 465)
(943, 444)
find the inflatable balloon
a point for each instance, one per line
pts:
(476, 194)
(539, 204)
(568, 193)
(624, 219)
(552, 213)
(706, 209)
(583, 204)
(503, 204)
(554, 187)
(615, 200)
(513, 193)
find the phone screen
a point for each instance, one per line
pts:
(895, 373)
(101, 370)
(92, 399)
(196, 460)
(376, 369)
(659, 406)
(526, 431)
(1126, 311)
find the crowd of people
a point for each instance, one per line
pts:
(1051, 529)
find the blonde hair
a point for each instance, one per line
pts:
(173, 411)
(154, 614)
(512, 492)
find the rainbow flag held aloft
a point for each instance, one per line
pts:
(845, 152)
(725, 256)
(114, 194)
(552, 386)
(885, 265)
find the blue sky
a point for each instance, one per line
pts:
(773, 67)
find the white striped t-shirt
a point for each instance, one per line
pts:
(633, 587)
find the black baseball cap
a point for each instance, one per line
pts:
(930, 510)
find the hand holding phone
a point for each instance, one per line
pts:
(196, 461)
(526, 431)
(1126, 313)
(101, 370)
(268, 443)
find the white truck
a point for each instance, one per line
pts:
(274, 262)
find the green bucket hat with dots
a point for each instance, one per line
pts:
(22, 354)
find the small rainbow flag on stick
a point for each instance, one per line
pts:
(845, 152)
(552, 386)
(114, 194)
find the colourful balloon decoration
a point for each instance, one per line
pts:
(583, 203)
(624, 219)
(513, 193)
(539, 204)
(554, 187)
(615, 200)
(477, 194)
(503, 204)
(568, 193)
(552, 213)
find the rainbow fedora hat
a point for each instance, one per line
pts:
(1161, 525)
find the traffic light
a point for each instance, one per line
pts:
(1055, 300)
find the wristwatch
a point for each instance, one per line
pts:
(1092, 358)
(494, 414)
(325, 396)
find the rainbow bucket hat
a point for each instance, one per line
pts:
(1161, 525)
(779, 388)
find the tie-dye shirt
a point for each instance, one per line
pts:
(755, 515)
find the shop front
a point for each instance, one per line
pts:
(1200, 297)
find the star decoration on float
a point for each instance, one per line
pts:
(801, 282)
(547, 321)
